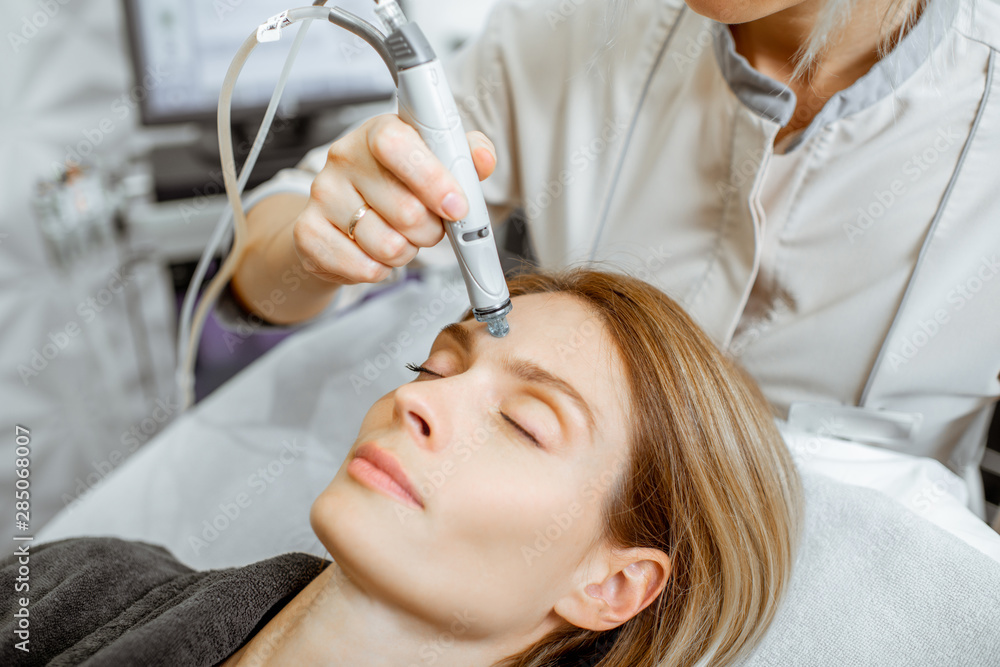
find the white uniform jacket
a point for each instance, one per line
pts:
(854, 271)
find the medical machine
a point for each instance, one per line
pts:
(180, 51)
(425, 101)
(184, 47)
(75, 213)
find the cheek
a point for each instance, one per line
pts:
(528, 523)
(379, 414)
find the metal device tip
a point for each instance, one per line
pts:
(495, 318)
(498, 327)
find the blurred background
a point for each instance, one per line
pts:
(110, 186)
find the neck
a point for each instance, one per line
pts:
(333, 622)
(770, 44)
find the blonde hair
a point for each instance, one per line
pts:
(708, 480)
(899, 17)
(832, 20)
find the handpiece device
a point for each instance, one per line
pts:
(426, 103)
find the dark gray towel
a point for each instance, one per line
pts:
(106, 601)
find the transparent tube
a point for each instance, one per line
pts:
(390, 14)
(190, 329)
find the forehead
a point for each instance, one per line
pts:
(565, 336)
(558, 328)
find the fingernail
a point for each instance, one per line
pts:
(489, 154)
(454, 207)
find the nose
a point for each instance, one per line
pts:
(421, 415)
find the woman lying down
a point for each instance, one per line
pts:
(631, 504)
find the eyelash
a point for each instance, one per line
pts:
(416, 368)
(522, 430)
(421, 369)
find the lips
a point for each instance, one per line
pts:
(388, 464)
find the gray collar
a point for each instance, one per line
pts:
(775, 101)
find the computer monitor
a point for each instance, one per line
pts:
(182, 49)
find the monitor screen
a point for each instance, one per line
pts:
(181, 50)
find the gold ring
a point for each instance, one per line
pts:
(360, 213)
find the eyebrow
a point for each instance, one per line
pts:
(525, 370)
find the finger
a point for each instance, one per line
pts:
(327, 252)
(402, 220)
(484, 154)
(400, 208)
(399, 148)
(380, 241)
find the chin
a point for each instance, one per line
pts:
(348, 516)
(320, 518)
(334, 512)
(372, 548)
(743, 11)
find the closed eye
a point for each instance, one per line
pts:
(420, 369)
(522, 430)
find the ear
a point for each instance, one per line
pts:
(623, 585)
